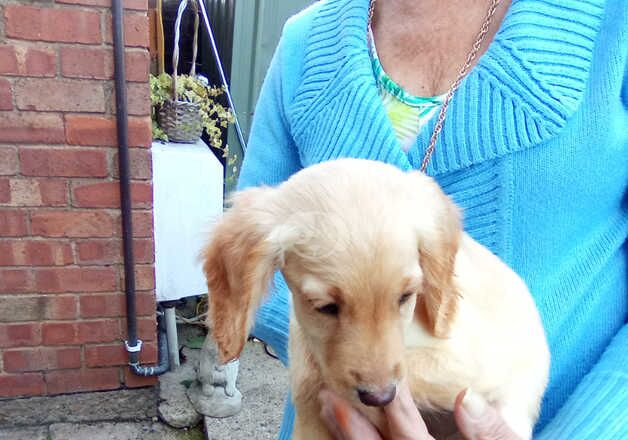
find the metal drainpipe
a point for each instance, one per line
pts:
(133, 345)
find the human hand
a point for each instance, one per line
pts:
(476, 420)
(346, 423)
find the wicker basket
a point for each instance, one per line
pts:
(181, 120)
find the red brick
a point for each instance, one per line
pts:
(32, 128)
(144, 251)
(140, 5)
(6, 96)
(69, 162)
(15, 280)
(107, 330)
(140, 164)
(101, 305)
(60, 307)
(27, 61)
(106, 252)
(71, 224)
(35, 359)
(97, 252)
(144, 277)
(138, 96)
(60, 333)
(59, 95)
(35, 253)
(98, 63)
(9, 161)
(135, 30)
(116, 354)
(12, 223)
(75, 279)
(142, 223)
(20, 335)
(133, 381)
(148, 355)
(145, 304)
(38, 62)
(5, 191)
(23, 384)
(109, 305)
(8, 60)
(53, 192)
(19, 308)
(105, 355)
(38, 192)
(137, 65)
(52, 24)
(85, 62)
(107, 195)
(146, 328)
(90, 379)
(96, 130)
(128, 4)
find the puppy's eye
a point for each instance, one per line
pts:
(404, 298)
(329, 309)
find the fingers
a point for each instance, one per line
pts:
(404, 419)
(347, 423)
(343, 421)
(479, 421)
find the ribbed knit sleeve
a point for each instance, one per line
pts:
(271, 156)
(598, 409)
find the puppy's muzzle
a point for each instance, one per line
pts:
(377, 398)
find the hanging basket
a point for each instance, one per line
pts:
(181, 120)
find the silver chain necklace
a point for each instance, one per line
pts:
(461, 74)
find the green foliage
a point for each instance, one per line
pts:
(215, 117)
(187, 383)
(195, 342)
(232, 164)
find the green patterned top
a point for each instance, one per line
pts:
(407, 113)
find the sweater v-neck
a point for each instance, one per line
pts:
(521, 92)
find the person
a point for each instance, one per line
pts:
(533, 147)
(475, 419)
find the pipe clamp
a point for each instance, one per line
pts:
(135, 348)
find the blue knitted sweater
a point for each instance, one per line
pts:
(534, 149)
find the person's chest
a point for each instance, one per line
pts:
(423, 49)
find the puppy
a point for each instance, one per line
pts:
(385, 287)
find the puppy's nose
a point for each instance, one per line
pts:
(380, 397)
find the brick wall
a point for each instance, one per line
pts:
(61, 306)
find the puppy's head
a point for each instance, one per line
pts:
(365, 249)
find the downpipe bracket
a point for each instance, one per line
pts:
(133, 348)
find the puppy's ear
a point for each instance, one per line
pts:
(438, 246)
(238, 263)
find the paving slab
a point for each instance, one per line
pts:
(175, 408)
(119, 405)
(32, 433)
(120, 431)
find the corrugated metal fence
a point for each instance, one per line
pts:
(256, 32)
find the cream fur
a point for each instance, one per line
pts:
(360, 234)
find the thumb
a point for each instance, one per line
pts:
(477, 420)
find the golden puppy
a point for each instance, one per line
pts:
(385, 287)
